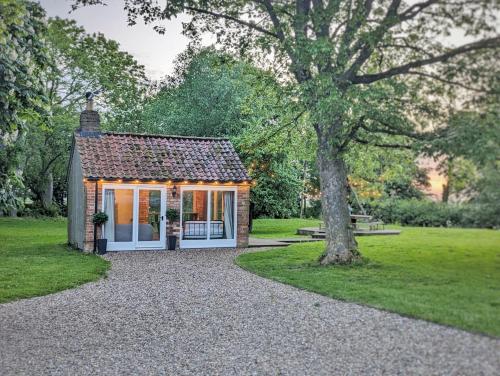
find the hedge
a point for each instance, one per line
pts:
(433, 214)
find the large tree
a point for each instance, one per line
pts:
(23, 59)
(80, 62)
(362, 69)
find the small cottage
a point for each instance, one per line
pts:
(136, 178)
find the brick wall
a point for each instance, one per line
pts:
(89, 212)
(172, 202)
(243, 213)
(143, 206)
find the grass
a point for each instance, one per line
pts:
(448, 276)
(34, 259)
(280, 228)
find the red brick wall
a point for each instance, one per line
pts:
(89, 212)
(243, 212)
(143, 206)
(243, 194)
(174, 203)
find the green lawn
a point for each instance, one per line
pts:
(449, 276)
(34, 259)
(280, 228)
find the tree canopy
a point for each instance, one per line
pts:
(50, 65)
(22, 63)
(213, 94)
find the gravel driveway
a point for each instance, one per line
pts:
(197, 313)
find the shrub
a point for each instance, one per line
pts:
(432, 214)
(172, 215)
(99, 218)
(314, 209)
(37, 211)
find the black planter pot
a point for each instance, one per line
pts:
(102, 246)
(172, 241)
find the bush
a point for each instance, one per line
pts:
(313, 210)
(432, 214)
(99, 218)
(172, 215)
(35, 210)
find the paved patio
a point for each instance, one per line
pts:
(197, 313)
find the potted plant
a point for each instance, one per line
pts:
(99, 219)
(172, 216)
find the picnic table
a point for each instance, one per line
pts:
(358, 219)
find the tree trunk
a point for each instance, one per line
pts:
(447, 186)
(341, 247)
(48, 190)
(446, 193)
(303, 193)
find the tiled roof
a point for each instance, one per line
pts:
(154, 157)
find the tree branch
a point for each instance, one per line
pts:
(360, 15)
(278, 130)
(394, 132)
(352, 133)
(274, 19)
(404, 69)
(390, 146)
(440, 79)
(300, 72)
(366, 48)
(408, 47)
(416, 9)
(250, 25)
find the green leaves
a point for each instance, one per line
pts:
(213, 94)
(22, 59)
(22, 62)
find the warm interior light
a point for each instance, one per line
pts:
(136, 181)
(200, 182)
(169, 182)
(119, 180)
(153, 181)
(185, 182)
(101, 180)
(84, 180)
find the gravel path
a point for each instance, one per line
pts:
(197, 313)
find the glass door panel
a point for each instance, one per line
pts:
(194, 215)
(222, 215)
(119, 206)
(150, 217)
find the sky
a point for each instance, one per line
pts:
(156, 52)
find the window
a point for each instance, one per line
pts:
(208, 214)
(222, 219)
(194, 215)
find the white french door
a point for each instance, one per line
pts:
(136, 216)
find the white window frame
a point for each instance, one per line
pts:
(136, 244)
(209, 243)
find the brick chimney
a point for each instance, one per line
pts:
(89, 119)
